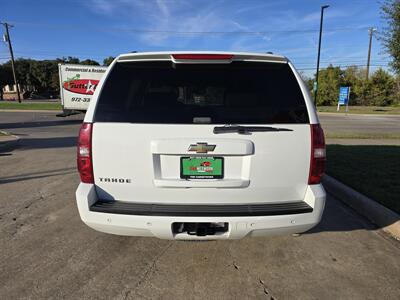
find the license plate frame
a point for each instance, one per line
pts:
(185, 175)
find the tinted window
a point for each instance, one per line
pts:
(236, 93)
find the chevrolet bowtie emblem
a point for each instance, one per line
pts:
(201, 148)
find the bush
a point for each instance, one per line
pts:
(381, 89)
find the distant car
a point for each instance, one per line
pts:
(194, 145)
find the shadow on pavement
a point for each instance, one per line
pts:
(36, 175)
(339, 217)
(39, 124)
(45, 143)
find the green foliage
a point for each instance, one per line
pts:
(353, 77)
(108, 60)
(328, 85)
(89, 62)
(382, 88)
(68, 60)
(390, 35)
(5, 75)
(40, 75)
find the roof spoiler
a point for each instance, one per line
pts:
(201, 57)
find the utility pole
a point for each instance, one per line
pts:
(319, 52)
(371, 32)
(7, 37)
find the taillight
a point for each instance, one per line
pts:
(318, 154)
(202, 56)
(84, 158)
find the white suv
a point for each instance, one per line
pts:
(194, 145)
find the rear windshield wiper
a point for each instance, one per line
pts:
(246, 129)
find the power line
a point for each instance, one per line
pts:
(342, 62)
(303, 64)
(344, 66)
(8, 40)
(140, 30)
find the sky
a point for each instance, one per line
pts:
(47, 29)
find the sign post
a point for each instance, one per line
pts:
(344, 96)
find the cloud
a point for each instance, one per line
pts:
(187, 24)
(102, 6)
(163, 8)
(174, 20)
(255, 7)
(179, 21)
(330, 13)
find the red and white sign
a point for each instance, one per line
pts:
(78, 83)
(81, 86)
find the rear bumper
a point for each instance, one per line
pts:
(156, 220)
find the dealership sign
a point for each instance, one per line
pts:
(81, 86)
(344, 97)
(77, 84)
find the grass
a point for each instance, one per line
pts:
(3, 133)
(362, 135)
(393, 110)
(372, 170)
(30, 106)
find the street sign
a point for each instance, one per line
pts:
(344, 96)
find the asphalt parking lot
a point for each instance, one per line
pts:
(378, 126)
(360, 123)
(47, 252)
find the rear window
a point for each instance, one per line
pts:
(168, 93)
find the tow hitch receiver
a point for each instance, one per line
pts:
(200, 229)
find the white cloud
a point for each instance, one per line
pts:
(163, 8)
(183, 24)
(172, 20)
(329, 13)
(102, 6)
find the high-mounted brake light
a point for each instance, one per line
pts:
(203, 56)
(84, 157)
(318, 154)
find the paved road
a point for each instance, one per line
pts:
(47, 252)
(361, 123)
(376, 125)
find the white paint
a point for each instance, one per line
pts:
(78, 101)
(261, 167)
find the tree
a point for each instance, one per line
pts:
(329, 82)
(382, 89)
(90, 62)
(69, 60)
(108, 60)
(354, 77)
(390, 35)
(5, 77)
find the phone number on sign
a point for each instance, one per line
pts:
(79, 99)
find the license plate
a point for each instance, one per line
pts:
(202, 167)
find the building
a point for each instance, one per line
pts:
(9, 92)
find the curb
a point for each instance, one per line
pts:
(355, 114)
(378, 214)
(31, 110)
(9, 145)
